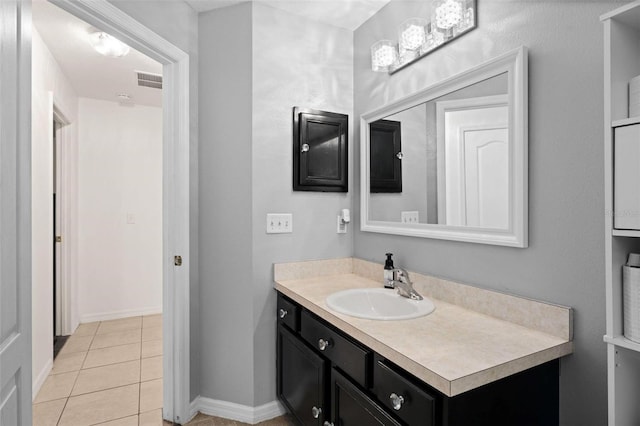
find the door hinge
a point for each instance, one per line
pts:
(177, 260)
(58, 238)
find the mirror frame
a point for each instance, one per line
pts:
(515, 64)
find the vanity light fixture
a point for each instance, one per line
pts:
(107, 45)
(383, 55)
(418, 36)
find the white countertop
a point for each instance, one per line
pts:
(454, 349)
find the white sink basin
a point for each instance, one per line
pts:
(378, 304)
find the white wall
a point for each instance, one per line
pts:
(48, 84)
(565, 260)
(119, 179)
(177, 22)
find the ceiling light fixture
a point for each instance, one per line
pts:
(108, 45)
(418, 37)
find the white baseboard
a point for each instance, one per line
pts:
(233, 411)
(40, 378)
(106, 316)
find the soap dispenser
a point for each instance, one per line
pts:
(388, 271)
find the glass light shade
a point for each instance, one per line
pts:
(383, 55)
(411, 34)
(447, 13)
(107, 45)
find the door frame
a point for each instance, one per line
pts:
(63, 255)
(175, 189)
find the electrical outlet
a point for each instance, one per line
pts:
(409, 217)
(342, 226)
(279, 223)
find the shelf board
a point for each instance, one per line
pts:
(628, 14)
(625, 233)
(625, 122)
(622, 342)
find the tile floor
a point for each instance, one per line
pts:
(109, 373)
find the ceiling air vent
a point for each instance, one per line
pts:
(147, 79)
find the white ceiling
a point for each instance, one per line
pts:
(349, 14)
(91, 74)
(95, 76)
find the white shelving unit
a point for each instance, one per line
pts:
(621, 63)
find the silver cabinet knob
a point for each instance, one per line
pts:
(323, 344)
(326, 423)
(282, 313)
(399, 155)
(315, 412)
(305, 147)
(396, 401)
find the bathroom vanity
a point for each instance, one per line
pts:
(481, 358)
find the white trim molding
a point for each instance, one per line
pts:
(40, 378)
(112, 315)
(237, 412)
(175, 190)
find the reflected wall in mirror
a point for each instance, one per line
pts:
(450, 162)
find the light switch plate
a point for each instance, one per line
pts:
(279, 223)
(409, 217)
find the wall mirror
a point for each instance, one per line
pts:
(450, 162)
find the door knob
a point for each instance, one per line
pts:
(315, 412)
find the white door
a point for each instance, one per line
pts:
(486, 177)
(473, 162)
(15, 213)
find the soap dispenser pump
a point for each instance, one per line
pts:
(388, 271)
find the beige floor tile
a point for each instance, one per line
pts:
(122, 324)
(109, 376)
(151, 418)
(112, 355)
(56, 386)
(87, 329)
(48, 413)
(150, 395)
(151, 369)
(151, 333)
(285, 420)
(99, 407)
(152, 321)
(116, 339)
(151, 348)
(127, 421)
(76, 344)
(65, 363)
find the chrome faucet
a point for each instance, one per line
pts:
(404, 285)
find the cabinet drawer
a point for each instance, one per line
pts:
(410, 403)
(347, 355)
(288, 313)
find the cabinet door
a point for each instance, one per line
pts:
(386, 158)
(301, 379)
(352, 407)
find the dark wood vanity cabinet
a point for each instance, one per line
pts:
(327, 378)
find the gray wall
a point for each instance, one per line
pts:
(296, 62)
(178, 23)
(226, 337)
(565, 260)
(259, 63)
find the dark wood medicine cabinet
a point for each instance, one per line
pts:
(320, 150)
